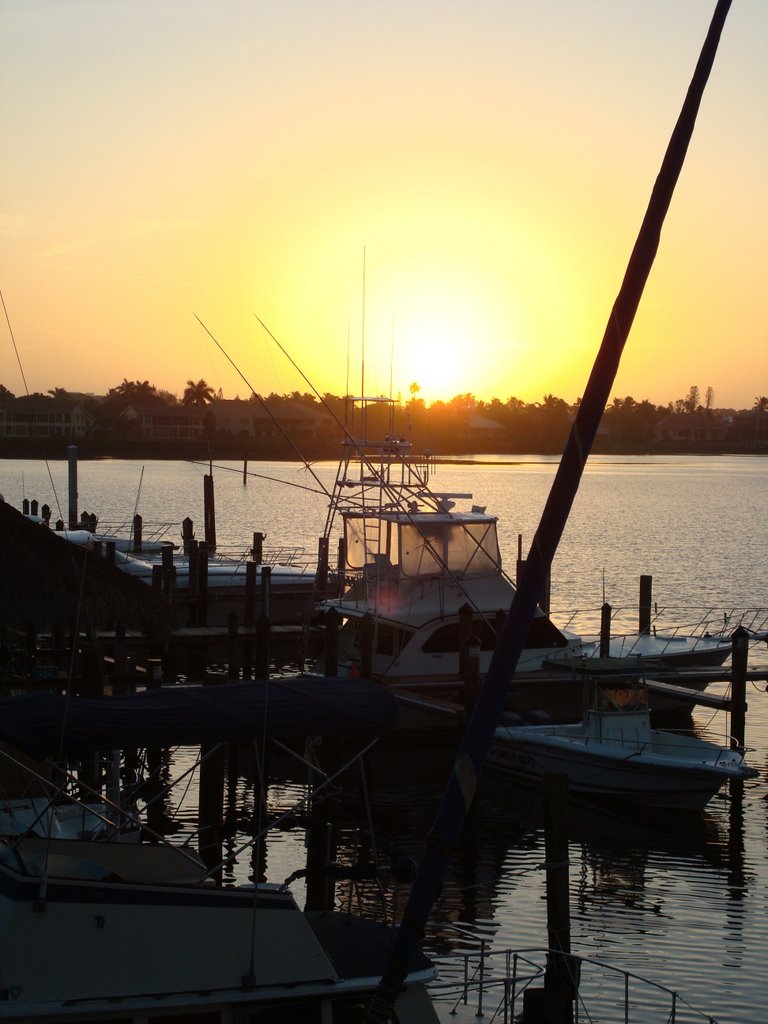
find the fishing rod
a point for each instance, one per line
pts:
(388, 489)
(261, 476)
(269, 412)
(26, 389)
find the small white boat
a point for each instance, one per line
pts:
(614, 752)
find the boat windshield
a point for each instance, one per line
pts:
(460, 547)
(423, 546)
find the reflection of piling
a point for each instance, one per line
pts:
(553, 1004)
(211, 802)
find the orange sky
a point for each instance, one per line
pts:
(488, 162)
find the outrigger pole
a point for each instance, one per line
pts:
(473, 749)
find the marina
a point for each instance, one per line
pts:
(632, 876)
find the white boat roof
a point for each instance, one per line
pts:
(395, 516)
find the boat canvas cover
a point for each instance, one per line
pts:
(51, 725)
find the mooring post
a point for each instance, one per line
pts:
(261, 658)
(257, 548)
(72, 479)
(465, 637)
(169, 573)
(739, 660)
(202, 584)
(266, 590)
(366, 646)
(605, 630)
(559, 983)
(138, 523)
(249, 617)
(331, 643)
(209, 511)
(187, 534)
(25, 506)
(321, 576)
(646, 600)
(341, 565)
(245, 471)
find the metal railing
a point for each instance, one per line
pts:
(492, 985)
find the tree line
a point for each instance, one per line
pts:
(443, 425)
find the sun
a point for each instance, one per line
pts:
(435, 354)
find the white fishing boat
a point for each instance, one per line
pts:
(422, 593)
(104, 931)
(426, 573)
(614, 752)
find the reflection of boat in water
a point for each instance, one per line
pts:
(102, 930)
(614, 752)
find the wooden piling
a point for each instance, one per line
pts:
(266, 590)
(331, 643)
(137, 530)
(646, 600)
(257, 548)
(321, 576)
(262, 647)
(366, 646)
(559, 982)
(245, 471)
(739, 661)
(605, 630)
(209, 511)
(187, 534)
(202, 584)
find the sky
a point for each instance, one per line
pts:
(343, 197)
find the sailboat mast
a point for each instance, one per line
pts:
(473, 749)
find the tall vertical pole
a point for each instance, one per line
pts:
(72, 463)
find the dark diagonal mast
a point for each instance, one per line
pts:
(473, 749)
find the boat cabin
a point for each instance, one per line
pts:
(418, 545)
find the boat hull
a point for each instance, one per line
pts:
(620, 771)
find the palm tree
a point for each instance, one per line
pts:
(761, 403)
(197, 393)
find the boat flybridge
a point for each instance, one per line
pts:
(427, 575)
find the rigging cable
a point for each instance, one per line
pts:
(26, 389)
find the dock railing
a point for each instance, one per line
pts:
(491, 986)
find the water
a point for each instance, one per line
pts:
(681, 899)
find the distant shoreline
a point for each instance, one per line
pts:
(277, 449)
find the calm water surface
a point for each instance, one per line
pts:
(681, 899)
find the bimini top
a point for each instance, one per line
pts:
(49, 725)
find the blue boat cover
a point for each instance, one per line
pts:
(51, 725)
